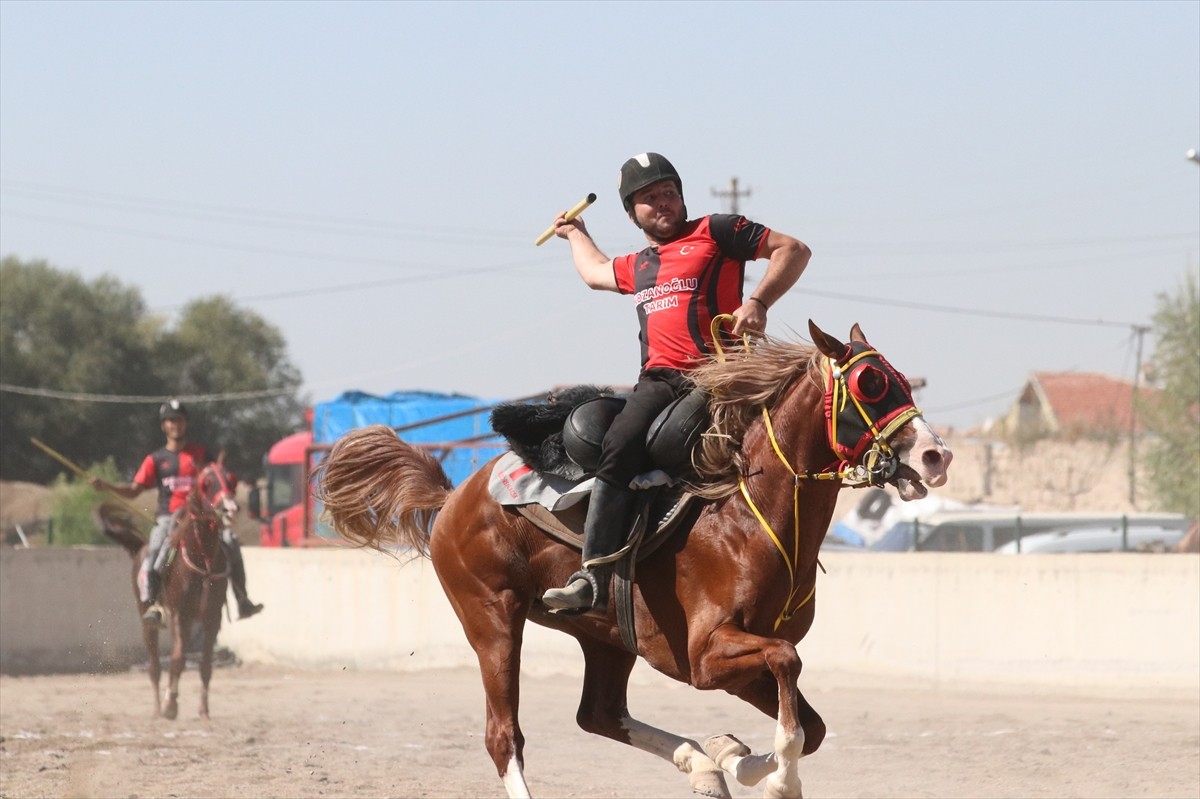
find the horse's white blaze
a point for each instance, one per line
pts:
(514, 781)
(931, 469)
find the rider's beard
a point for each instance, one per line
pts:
(662, 229)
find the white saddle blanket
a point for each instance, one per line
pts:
(514, 482)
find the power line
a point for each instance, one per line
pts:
(341, 288)
(861, 249)
(359, 227)
(972, 403)
(922, 306)
(247, 216)
(143, 398)
(443, 275)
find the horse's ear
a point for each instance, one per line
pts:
(856, 334)
(827, 344)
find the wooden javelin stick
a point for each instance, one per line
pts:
(574, 212)
(81, 473)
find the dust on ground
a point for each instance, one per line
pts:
(281, 733)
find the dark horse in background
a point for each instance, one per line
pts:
(193, 587)
(718, 605)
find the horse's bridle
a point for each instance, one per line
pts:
(862, 441)
(216, 504)
(865, 458)
(219, 475)
(207, 571)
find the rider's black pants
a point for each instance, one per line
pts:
(623, 451)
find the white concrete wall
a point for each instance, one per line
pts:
(67, 610)
(1054, 619)
(348, 608)
(1061, 619)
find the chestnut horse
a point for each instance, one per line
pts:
(193, 587)
(719, 606)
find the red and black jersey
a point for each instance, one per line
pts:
(173, 473)
(681, 285)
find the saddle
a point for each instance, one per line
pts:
(561, 437)
(555, 452)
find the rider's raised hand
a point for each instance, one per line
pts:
(563, 227)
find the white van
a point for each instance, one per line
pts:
(987, 532)
(1098, 539)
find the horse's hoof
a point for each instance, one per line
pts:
(783, 787)
(722, 747)
(170, 712)
(709, 783)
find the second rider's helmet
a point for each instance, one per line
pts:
(172, 410)
(640, 171)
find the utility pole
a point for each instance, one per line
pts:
(732, 193)
(1140, 331)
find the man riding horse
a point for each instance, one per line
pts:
(692, 272)
(172, 469)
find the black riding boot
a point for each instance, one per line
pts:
(607, 525)
(237, 580)
(154, 613)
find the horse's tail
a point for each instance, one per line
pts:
(379, 490)
(117, 524)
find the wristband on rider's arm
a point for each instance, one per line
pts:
(760, 302)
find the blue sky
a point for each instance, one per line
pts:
(981, 183)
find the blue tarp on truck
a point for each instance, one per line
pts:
(400, 409)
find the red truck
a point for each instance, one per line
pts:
(284, 505)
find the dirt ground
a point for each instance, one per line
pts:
(283, 733)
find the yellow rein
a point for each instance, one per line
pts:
(880, 444)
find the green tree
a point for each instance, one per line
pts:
(217, 348)
(71, 504)
(59, 332)
(1172, 459)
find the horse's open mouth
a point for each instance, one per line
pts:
(908, 483)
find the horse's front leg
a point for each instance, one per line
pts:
(153, 664)
(212, 625)
(753, 668)
(181, 623)
(603, 711)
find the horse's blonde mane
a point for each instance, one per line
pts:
(741, 382)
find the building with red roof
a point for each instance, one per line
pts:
(1074, 404)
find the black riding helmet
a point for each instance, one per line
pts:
(172, 410)
(640, 171)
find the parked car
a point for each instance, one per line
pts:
(1097, 539)
(987, 532)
